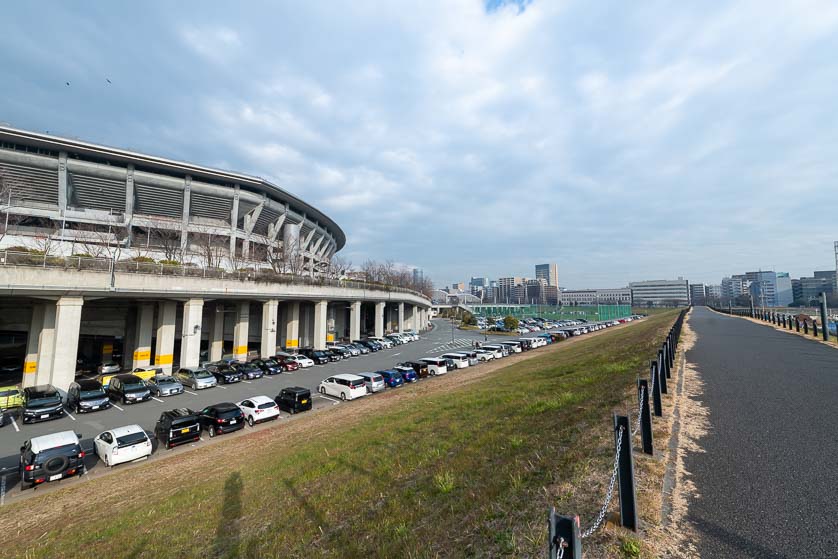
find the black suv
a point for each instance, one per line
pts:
(87, 395)
(41, 403)
(420, 368)
(221, 418)
(319, 357)
(50, 458)
(128, 388)
(177, 426)
(294, 399)
(224, 373)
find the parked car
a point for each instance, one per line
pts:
(384, 342)
(395, 338)
(122, 444)
(419, 367)
(258, 408)
(218, 419)
(303, 361)
(436, 366)
(353, 351)
(164, 385)
(338, 353)
(370, 345)
(392, 378)
(496, 351)
(50, 458)
(196, 378)
(108, 368)
(344, 386)
(287, 363)
(87, 395)
(470, 356)
(10, 397)
(458, 360)
(408, 374)
(514, 347)
(484, 354)
(41, 403)
(224, 373)
(268, 366)
(294, 399)
(362, 349)
(248, 371)
(373, 381)
(129, 389)
(177, 426)
(319, 357)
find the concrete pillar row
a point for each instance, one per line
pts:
(66, 341)
(292, 327)
(190, 345)
(141, 354)
(400, 326)
(164, 348)
(216, 339)
(355, 321)
(241, 331)
(379, 319)
(30, 362)
(269, 328)
(320, 324)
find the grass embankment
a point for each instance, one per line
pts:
(464, 465)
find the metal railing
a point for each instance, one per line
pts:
(110, 265)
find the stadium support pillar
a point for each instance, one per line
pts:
(241, 331)
(292, 327)
(190, 344)
(141, 354)
(379, 319)
(320, 323)
(269, 320)
(164, 347)
(355, 321)
(37, 364)
(66, 341)
(400, 327)
(216, 341)
(184, 223)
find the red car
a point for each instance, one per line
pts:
(287, 364)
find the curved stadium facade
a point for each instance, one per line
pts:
(82, 196)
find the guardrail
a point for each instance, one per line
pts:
(787, 321)
(566, 535)
(109, 265)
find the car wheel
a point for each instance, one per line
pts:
(250, 421)
(212, 432)
(322, 390)
(124, 401)
(343, 396)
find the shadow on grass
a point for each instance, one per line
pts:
(228, 532)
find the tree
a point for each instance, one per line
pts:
(469, 319)
(510, 323)
(164, 236)
(9, 190)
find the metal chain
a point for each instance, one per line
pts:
(640, 413)
(610, 492)
(561, 548)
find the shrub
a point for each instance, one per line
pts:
(510, 323)
(169, 262)
(469, 319)
(143, 259)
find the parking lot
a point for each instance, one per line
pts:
(439, 340)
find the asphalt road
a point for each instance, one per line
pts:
(145, 414)
(766, 476)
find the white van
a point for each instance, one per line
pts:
(436, 365)
(484, 354)
(460, 360)
(497, 350)
(344, 386)
(385, 343)
(515, 347)
(471, 356)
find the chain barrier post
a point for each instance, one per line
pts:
(628, 500)
(791, 326)
(824, 317)
(815, 328)
(656, 388)
(806, 327)
(670, 344)
(797, 325)
(645, 417)
(663, 363)
(565, 538)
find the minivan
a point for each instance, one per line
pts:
(374, 382)
(460, 361)
(41, 403)
(344, 386)
(294, 399)
(128, 388)
(87, 395)
(436, 366)
(471, 356)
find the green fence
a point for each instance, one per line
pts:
(589, 313)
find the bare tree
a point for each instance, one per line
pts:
(101, 241)
(162, 236)
(211, 247)
(46, 243)
(338, 267)
(9, 190)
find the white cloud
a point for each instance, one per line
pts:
(215, 43)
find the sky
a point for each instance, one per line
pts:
(623, 140)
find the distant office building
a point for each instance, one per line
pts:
(763, 288)
(811, 288)
(713, 292)
(458, 287)
(577, 297)
(831, 277)
(477, 286)
(506, 287)
(698, 294)
(734, 286)
(660, 293)
(784, 295)
(548, 272)
(797, 290)
(551, 294)
(418, 276)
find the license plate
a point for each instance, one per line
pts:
(44, 416)
(232, 422)
(184, 430)
(304, 401)
(55, 477)
(95, 407)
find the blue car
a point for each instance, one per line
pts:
(393, 379)
(408, 374)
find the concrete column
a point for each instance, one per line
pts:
(184, 222)
(141, 355)
(414, 318)
(241, 331)
(269, 328)
(379, 319)
(107, 351)
(234, 224)
(30, 362)
(67, 326)
(46, 345)
(190, 343)
(355, 321)
(292, 328)
(216, 341)
(62, 182)
(164, 348)
(401, 318)
(320, 318)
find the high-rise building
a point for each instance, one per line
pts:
(763, 288)
(785, 295)
(660, 293)
(478, 285)
(460, 286)
(548, 272)
(698, 294)
(506, 287)
(418, 276)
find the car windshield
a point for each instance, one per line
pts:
(134, 386)
(63, 450)
(203, 374)
(131, 439)
(225, 369)
(270, 362)
(92, 394)
(251, 367)
(164, 380)
(43, 400)
(266, 405)
(230, 414)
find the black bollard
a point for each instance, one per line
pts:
(824, 317)
(815, 328)
(664, 365)
(797, 325)
(656, 388)
(625, 476)
(806, 327)
(645, 416)
(565, 536)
